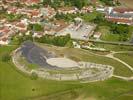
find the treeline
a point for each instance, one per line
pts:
(57, 3)
(48, 39)
(13, 17)
(56, 40)
(35, 27)
(111, 2)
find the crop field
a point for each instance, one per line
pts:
(15, 85)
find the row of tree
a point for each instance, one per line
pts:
(48, 39)
(56, 40)
(57, 3)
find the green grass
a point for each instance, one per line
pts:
(107, 90)
(89, 16)
(110, 37)
(127, 3)
(112, 47)
(23, 61)
(107, 35)
(126, 57)
(15, 85)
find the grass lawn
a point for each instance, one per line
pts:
(15, 85)
(89, 17)
(107, 35)
(127, 3)
(110, 37)
(112, 47)
(126, 57)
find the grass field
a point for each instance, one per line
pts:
(116, 48)
(126, 57)
(127, 3)
(107, 35)
(15, 85)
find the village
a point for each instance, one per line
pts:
(43, 18)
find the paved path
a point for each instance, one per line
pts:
(124, 78)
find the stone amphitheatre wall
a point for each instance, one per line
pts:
(104, 71)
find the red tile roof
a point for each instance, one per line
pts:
(31, 1)
(122, 10)
(11, 1)
(21, 25)
(4, 39)
(120, 20)
(34, 12)
(5, 30)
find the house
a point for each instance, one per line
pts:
(97, 35)
(11, 1)
(100, 9)
(68, 10)
(21, 27)
(12, 10)
(121, 21)
(30, 2)
(47, 12)
(38, 34)
(4, 35)
(120, 16)
(122, 10)
(4, 41)
(34, 13)
(86, 9)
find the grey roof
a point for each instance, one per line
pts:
(129, 15)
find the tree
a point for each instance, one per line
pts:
(34, 76)
(35, 27)
(69, 44)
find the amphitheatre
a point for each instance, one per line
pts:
(51, 63)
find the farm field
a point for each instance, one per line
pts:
(15, 85)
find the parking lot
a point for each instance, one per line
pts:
(82, 33)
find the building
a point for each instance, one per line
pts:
(31, 2)
(68, 10)
(120, 16)
(97, 35)
(4, 36)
